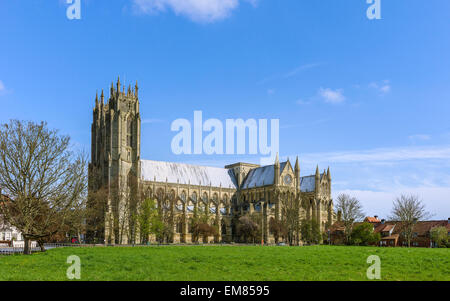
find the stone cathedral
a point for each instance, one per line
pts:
(224, 194)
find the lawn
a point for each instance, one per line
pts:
(227, 263)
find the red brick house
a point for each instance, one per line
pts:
(389, 238)
(373, 220)
(391, 232)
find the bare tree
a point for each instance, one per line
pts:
(351, 211)
(408, 210)
(290, 218)
(277, 228)
(44, 178)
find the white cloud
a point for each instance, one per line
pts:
(203, 11)
(302, 102)
(378, 176)
(419, 137)
(380, 202)
(383, 88)
(383, 155)
(332, 96)
(290, 73)
(301, 68)
(2, 86)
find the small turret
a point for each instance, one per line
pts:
(276, 170)
(102, 97)
(297, 171)
(136, 89)
(317, 180)
(118, 84)
(329, 174)
(96, 99)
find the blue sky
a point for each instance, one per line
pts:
(369, 98)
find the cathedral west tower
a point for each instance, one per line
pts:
(115, 161)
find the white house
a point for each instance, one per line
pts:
(8, 233)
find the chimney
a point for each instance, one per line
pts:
(376, 216)
(383, 221)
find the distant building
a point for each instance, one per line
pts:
(388, 237)
(372, 220)
(392, 232)
(8, 233)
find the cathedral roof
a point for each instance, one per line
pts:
(187, 174)
(262, 176)
(307, 184)
(259, 177)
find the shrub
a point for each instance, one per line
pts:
(439, 236)
(363, 235)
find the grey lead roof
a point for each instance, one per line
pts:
(205, 175)
(307, 184)
(186, 174)
(261, 176)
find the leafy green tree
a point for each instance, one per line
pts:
(150, 221)
(439, 236)
(363, 235)
(310, 230)
(315, 232)
(305, 230)
(256, 218)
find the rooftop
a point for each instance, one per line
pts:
(187, 174)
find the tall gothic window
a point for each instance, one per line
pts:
(129, 133)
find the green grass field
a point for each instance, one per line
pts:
(190, 263)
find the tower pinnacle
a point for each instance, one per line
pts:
(136, 89)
